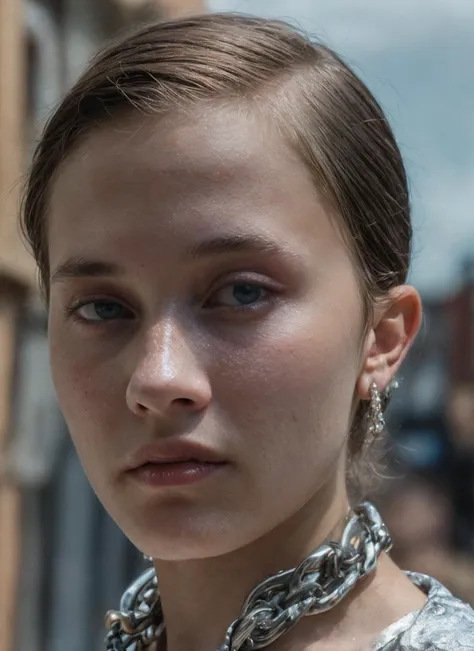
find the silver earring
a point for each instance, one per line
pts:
(148, 559)
(378, 404)
(375, 418)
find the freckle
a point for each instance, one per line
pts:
(294, 416)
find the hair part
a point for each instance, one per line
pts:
(322, 109)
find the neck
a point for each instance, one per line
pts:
(201, 598)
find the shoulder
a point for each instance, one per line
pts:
(444, 624)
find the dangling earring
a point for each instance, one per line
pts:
(375, 419)
(378, 403)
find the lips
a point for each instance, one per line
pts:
(174, 453)
(174, 463)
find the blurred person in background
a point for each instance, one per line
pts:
(420, 516)
(220, 216)
(460, 414)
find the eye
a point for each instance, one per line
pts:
(239, 295)
(102, 311)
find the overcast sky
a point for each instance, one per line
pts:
(418, 58)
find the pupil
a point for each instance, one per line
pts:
(247, 294)
(108, 310)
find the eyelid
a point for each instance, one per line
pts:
(271, 291)
(73, 308)
(246, 278)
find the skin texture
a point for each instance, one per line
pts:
(270, 386)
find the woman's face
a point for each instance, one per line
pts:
(204, 308)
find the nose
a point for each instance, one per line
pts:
(167, 377)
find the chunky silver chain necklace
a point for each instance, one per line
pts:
(318, 584)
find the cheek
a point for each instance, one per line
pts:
(87, 391)
(289, 396)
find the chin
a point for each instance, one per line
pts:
(174, 534)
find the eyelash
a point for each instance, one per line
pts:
(72, 311)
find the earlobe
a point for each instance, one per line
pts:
(396, 323)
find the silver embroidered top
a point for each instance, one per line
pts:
(443, 624)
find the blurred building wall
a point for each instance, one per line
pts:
(62, 560)
(15, 276)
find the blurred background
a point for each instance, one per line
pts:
(63, 563)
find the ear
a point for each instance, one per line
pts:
(395, 325)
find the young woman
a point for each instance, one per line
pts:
(220, 216)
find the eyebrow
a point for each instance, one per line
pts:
(80, 267)
(236, 243)
(83, 268)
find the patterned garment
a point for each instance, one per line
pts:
(443, 624)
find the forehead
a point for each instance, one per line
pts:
(175, 174)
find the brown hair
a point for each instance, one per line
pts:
(318, 104)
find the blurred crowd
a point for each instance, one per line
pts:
(427, 499)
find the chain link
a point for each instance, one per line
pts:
(315, 586)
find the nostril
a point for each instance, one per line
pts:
(141, 409)
(187, 402)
